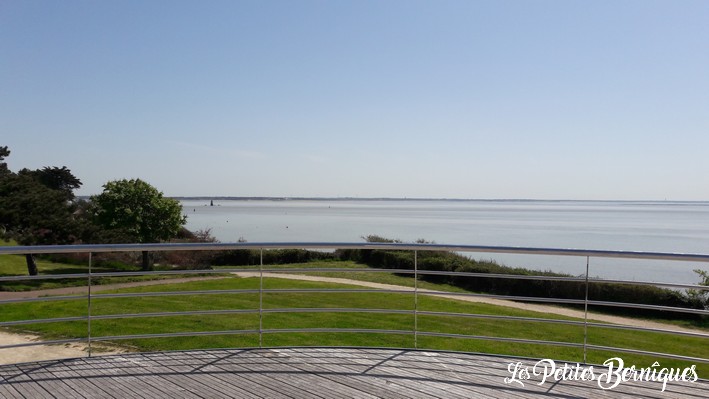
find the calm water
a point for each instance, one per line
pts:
(634, 226)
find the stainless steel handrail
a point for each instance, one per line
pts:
(379, 246)
(365, 291)
(98, 248)
(357, 270)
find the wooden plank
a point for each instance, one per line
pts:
(370, 384)
(9, 392)
(88, 389)
(30, 389)
(199, 383)
(254, 384)
(345, 376)
(415, 381)
(107, 370)
(39, 381)
(202, 379)
(303, 372)
(60, 389)
(481, 377)
(208, 386)
(302, 382)
(120, 389)
(313, 382)
(469, 385)
(165, 388)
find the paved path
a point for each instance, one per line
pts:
(499, 302)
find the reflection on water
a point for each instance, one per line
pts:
(634, 226)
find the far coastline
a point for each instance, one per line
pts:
(422, 199)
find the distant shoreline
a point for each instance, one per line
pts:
(229, 198)
(400, 199)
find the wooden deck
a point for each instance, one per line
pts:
(304, 373)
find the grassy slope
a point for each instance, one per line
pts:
(498, 328)
(382, 276)
(408, 281)
(15, 265)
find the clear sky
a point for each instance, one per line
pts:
(445, 99)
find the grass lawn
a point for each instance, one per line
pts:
(15, 265)
(408, 281)
(690, 346)
(382, 277)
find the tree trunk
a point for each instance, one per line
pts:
(147, 261)
(31, 265)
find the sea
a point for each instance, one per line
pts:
(656, 226)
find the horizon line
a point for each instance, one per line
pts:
(349, 198)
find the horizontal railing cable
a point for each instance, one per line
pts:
(648, 353)
(348, 310)
(697, 334)
(43, 299)
(173, 335)
(227, 272)
(264, 309)
(102, 248)
(42, 321)
(48, 342)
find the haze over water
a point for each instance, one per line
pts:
(681, 227)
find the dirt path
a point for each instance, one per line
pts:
(66, 351)
(499, 302)
(46, 352)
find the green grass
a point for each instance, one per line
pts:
(407, 280)
(447, 324)
(15, 265)
(382, 277)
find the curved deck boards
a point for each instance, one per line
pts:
(303, 373)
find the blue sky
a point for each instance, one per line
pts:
(444, 99)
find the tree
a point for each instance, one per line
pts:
(37, 207)
(60, 179)
(702, 296)
(138, 211)
(4, 153)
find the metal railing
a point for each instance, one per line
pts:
(415, 312)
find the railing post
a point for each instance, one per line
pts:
(88, 310)
(585, 314)
(416, 299)
(260, 301)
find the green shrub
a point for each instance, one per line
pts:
(250, 257)
(453, 262)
